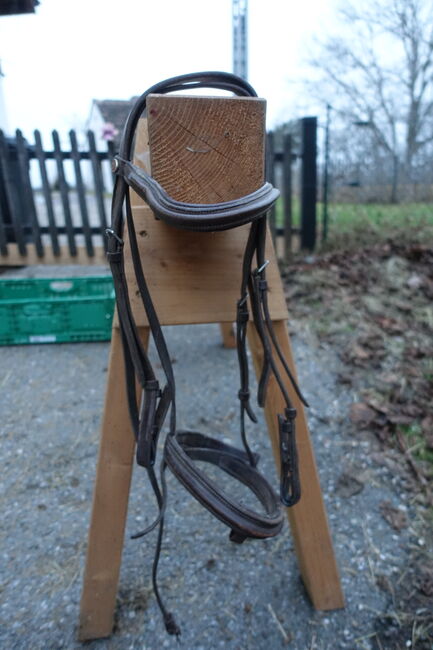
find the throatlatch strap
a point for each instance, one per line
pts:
(182, 448)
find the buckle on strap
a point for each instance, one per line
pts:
(148, 429)
(114, 256)
(244, 395)
(242, 313)
(110, 233)
(287, 435)
(115, 164)
(290, 492)
(261, 268)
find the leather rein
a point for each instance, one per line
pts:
(182, 448)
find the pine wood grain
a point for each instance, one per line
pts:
(110, 502)
(206, 150)
(308, 521)
(195, 277)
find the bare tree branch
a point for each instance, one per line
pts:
(394, 94)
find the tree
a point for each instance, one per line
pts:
(378, 73)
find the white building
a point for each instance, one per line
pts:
(107, 119)
(4, 126)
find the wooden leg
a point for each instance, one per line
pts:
(228, 335)
(110, 503)
(307, 519)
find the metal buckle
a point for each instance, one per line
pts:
(110, 233)
(115, 165)
(286, 430)
(262, 268)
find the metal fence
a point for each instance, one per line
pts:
(58, 199)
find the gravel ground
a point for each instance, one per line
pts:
(223, 595)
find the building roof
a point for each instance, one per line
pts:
(115, 111)
(11, 7)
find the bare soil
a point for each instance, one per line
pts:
(373, 307)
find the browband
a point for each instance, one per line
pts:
(196, 216)
(182, 448)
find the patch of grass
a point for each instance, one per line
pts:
(296, 213)
(351, 225)
(416, 442)
(355, 225)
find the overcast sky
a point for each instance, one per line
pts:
(68, 53)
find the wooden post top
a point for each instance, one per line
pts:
(207, 149)
(201, 150)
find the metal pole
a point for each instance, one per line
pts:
(287, 184)
(326, 175)
(308, 182)
(240, 37)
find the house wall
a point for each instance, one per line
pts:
(4, 125)
(96, 123)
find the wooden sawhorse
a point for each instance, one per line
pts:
(201, 150)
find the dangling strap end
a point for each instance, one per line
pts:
(171, 625)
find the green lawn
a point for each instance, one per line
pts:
(351, 224)
(368, 224)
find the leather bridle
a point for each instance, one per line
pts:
(182, 448)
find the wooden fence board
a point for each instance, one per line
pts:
(75, 155)
(98, 180)
(27, 193)
(22, 231)
(52, 227)
(63, 186)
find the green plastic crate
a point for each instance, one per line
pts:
(41, 310)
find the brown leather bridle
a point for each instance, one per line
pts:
(182, 448)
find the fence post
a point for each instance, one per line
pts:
(308, 182)
(13, 208)
(270, 176)
(287, 195)
(325, 197)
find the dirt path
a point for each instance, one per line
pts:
(247, 597)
